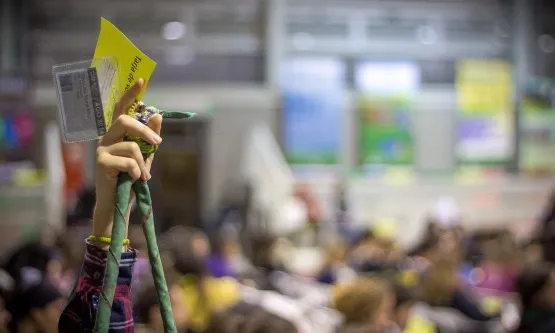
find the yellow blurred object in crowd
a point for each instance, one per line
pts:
(385, 228)
(491, 305)
(409, 278)
(418, 324)
(217, 294)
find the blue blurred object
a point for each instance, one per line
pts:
(10, 135)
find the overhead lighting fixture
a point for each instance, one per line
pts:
(173, 30)
(546, 43)
(303, 41)
(427, 35)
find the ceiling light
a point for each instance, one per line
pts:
(427, 35)
(173, 30)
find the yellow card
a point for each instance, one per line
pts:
(418, 324)
(132, 63)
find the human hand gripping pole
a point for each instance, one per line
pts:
(125, 185)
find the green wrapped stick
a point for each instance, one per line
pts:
(144, 203)
(102, 322)
(124, 186)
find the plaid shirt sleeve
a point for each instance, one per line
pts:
(80, 312)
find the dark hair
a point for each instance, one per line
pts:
(403, 296)
(428, 243)
(33, 254)
(532, 280)
(365, 328)
(37, 295)
(248, 318)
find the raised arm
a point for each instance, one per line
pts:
(113, 155)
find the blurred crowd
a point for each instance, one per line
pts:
(232, 280)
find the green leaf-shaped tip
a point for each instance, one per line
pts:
(177, 114)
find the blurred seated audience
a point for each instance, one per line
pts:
(202, 295)
(536, 287)
(335, 267)
(441, 288)
(248, 318)
(147, 310)
(365, 303)
(35, 305)
(498, 271)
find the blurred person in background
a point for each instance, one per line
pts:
(536, 287)
(45, 258)
(247, 318)
(227, 258)
(36, 304)
(335, 267)
(202, 294)
(365, 303)
(533, 252)
(147, 310)
(404, 302)
(441, 288)
(423, 254)
(499, 269)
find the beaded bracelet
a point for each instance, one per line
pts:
(105, 240)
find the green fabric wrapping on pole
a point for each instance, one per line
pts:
(144, 202)
(102, 322)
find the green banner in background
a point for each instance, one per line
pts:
(385, 132)
(386, 101)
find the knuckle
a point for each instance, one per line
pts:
(131, 164)
(123, 120)
(100, 158)
(135, 148)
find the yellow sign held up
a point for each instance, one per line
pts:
(131, 63)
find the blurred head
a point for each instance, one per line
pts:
(36, 305)
(533, 252)
(148, 309)
(186, 248)
(441, 280)
(36, 255)
(364, 301)
(502, 251)
(536, 286)
(336, 252)
(247, 318)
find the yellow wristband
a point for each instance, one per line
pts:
(105, 240)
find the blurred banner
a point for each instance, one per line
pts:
(313, 110)
(386, 102)
(485, 121)
(537, 129)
